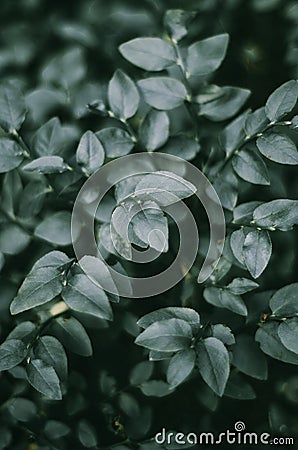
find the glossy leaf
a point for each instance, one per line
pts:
(163, 93)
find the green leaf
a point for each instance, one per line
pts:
(141, 373)
(242, 285)
(167, 335)
(226, 186)
(182, 146)
(233, 134)
(12, 188)
(13, 239)
(123, 95)
(282, 100)
(294, 123)
(214, 364)
(288, 334)
(257, 249)
(148, 53)
(238, 388)
(47, 164)
(250, 166)
(90, 153)
(228, 102)
(171, 312)
(223, 298)
(12, 353)
(55, 229)
(55, 429)
(52, 353)
(23, 331)
(164, 187)
(154, 131)
(155, 388)
(206, 56)
(236, 242)
(86, 434)
(278, 148)
(270, 343)
(73, 335)
(176, 21)
(82, 295)
(11, 155)
(115, 141)
(22, 409)
(12, 108)
(281, 214)
(248, 358)
(43, 283)
(155, 355)
(163, 93)
(223, 333)
(256, 122)
(284, 302)
(49, 138)
(180, 367)
(44, 379)
(243, 213)
(33, 197)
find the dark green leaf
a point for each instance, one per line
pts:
(44, 379)
(288, 334)
(55, 229)
(49, 138)
(278, 148)
(52, 353)
(116, 141)
(207, 55)
(256, 122)
(22, 331)
(155, 388)
(176, 21)
(243, 213)
(223, 333)
(236, 242)
(226, 186)
(223, 298)
(55, 429)
(141, 373)
(123, 95)
(90, 153)
(43, 283)
(167, 335)
(228, 102)
(13, 239)
(233, 134)
(250, 166)
(33, 197)
(82, 295)
(281, 214)
(282, 100)
(11, 191)
(12, 353)
(87, 434)
(248, 358)
(163, 93)
(154, 131)
(12, 108)
(172, 312)
(213, 363)
(22, 409)
(182, 146)
(180, 367)
(270, 343)
(257, 249)
(47, 164)
(148, 53)
(11, 155)
(73, 335)
(151, 226)
(242, 285)
(284, 302)
(238, 388)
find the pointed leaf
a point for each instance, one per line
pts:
(44, 379)
(12, 108)
(206, 56)
(180, 367)
(12, 353)
(123, 95)
(163, 93)
(278, 148)
(11, 155)
(257, 249)
(90, 153)
(282, 100)
(154, 131)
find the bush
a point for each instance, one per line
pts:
(96, 351)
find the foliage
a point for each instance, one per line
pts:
(82, 367)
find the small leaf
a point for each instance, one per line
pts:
(52, 353)
(282, 100)
(257, 249)
(223, 298)
(13, 239)
(242, 285)
(233, 134)
(155, 388)
(256, 122)
(33, 197)
(229, 101)
(141, 373)
(163, 93)
(226, 186)
(12, 353)
(176, 22)
(22, 409)
(270, 343)
(148, 53)
(87, 434)
(12, 108)
(206, 56)
(167, 335)
(250, 167)
(73, 335)
(154, 131)
(281, 214)
(47, 164)
(116, 141)
(243, 213)
(55, 429)
(171, 312)
(49, 138)
(151, 227)
(278, 148)
(214, 364)
(284, 302)
(238, 388)
(180, 367)
(44, 379)
(11, 155)
(55, 229)
(236, 242)
(248, 358)
(182, 146)
(42, 284)
(123, 95)
(288, 334)
(90, 153)
(81, 295)
(223, 333)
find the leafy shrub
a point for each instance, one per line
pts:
(80, 366)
